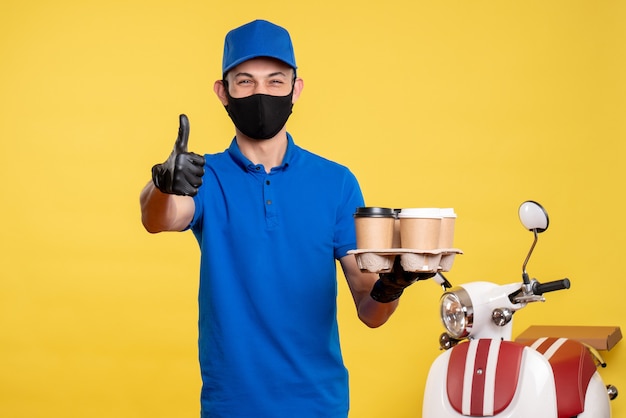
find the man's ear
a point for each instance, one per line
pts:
(298, 86)
(220, 90)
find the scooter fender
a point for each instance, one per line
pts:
(580, 389)
(487, 377)
(597, 403)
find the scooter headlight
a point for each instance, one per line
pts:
(457, 312)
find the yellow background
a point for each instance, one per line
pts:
(473, 104)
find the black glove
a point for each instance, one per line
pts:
(182, 172)
(390, 285)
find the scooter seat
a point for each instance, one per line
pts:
(573, 367)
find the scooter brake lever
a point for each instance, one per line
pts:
(528, 299)
(526, 294)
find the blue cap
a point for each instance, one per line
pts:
(258, 38)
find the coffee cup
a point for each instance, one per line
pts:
(374, 227)
(397, 240)
(446, 233)
(420, 228)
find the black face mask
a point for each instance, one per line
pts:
(259, 116)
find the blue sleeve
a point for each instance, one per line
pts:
(345, 233)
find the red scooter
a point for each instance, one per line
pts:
(483, 373)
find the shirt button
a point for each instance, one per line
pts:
(267, 182)
(269, 202)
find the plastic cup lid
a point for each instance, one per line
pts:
(420, 213)
(447, 212)
(374, 212)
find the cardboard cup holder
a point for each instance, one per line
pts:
(447, 259)
(375, 262)
(422, 261)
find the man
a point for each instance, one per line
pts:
(270, 219)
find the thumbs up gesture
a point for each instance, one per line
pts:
(182, 172)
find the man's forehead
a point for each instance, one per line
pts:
(261, 67)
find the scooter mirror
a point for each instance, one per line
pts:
(533, 216)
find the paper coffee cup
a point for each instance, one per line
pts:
(420, 228)
(446, 233)
(397, 240)
(374, 227)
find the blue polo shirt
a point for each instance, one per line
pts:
(268, 335)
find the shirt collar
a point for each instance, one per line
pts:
(243, 162)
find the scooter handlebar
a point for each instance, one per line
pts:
(541, 288)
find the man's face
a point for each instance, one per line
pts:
(260, 76)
